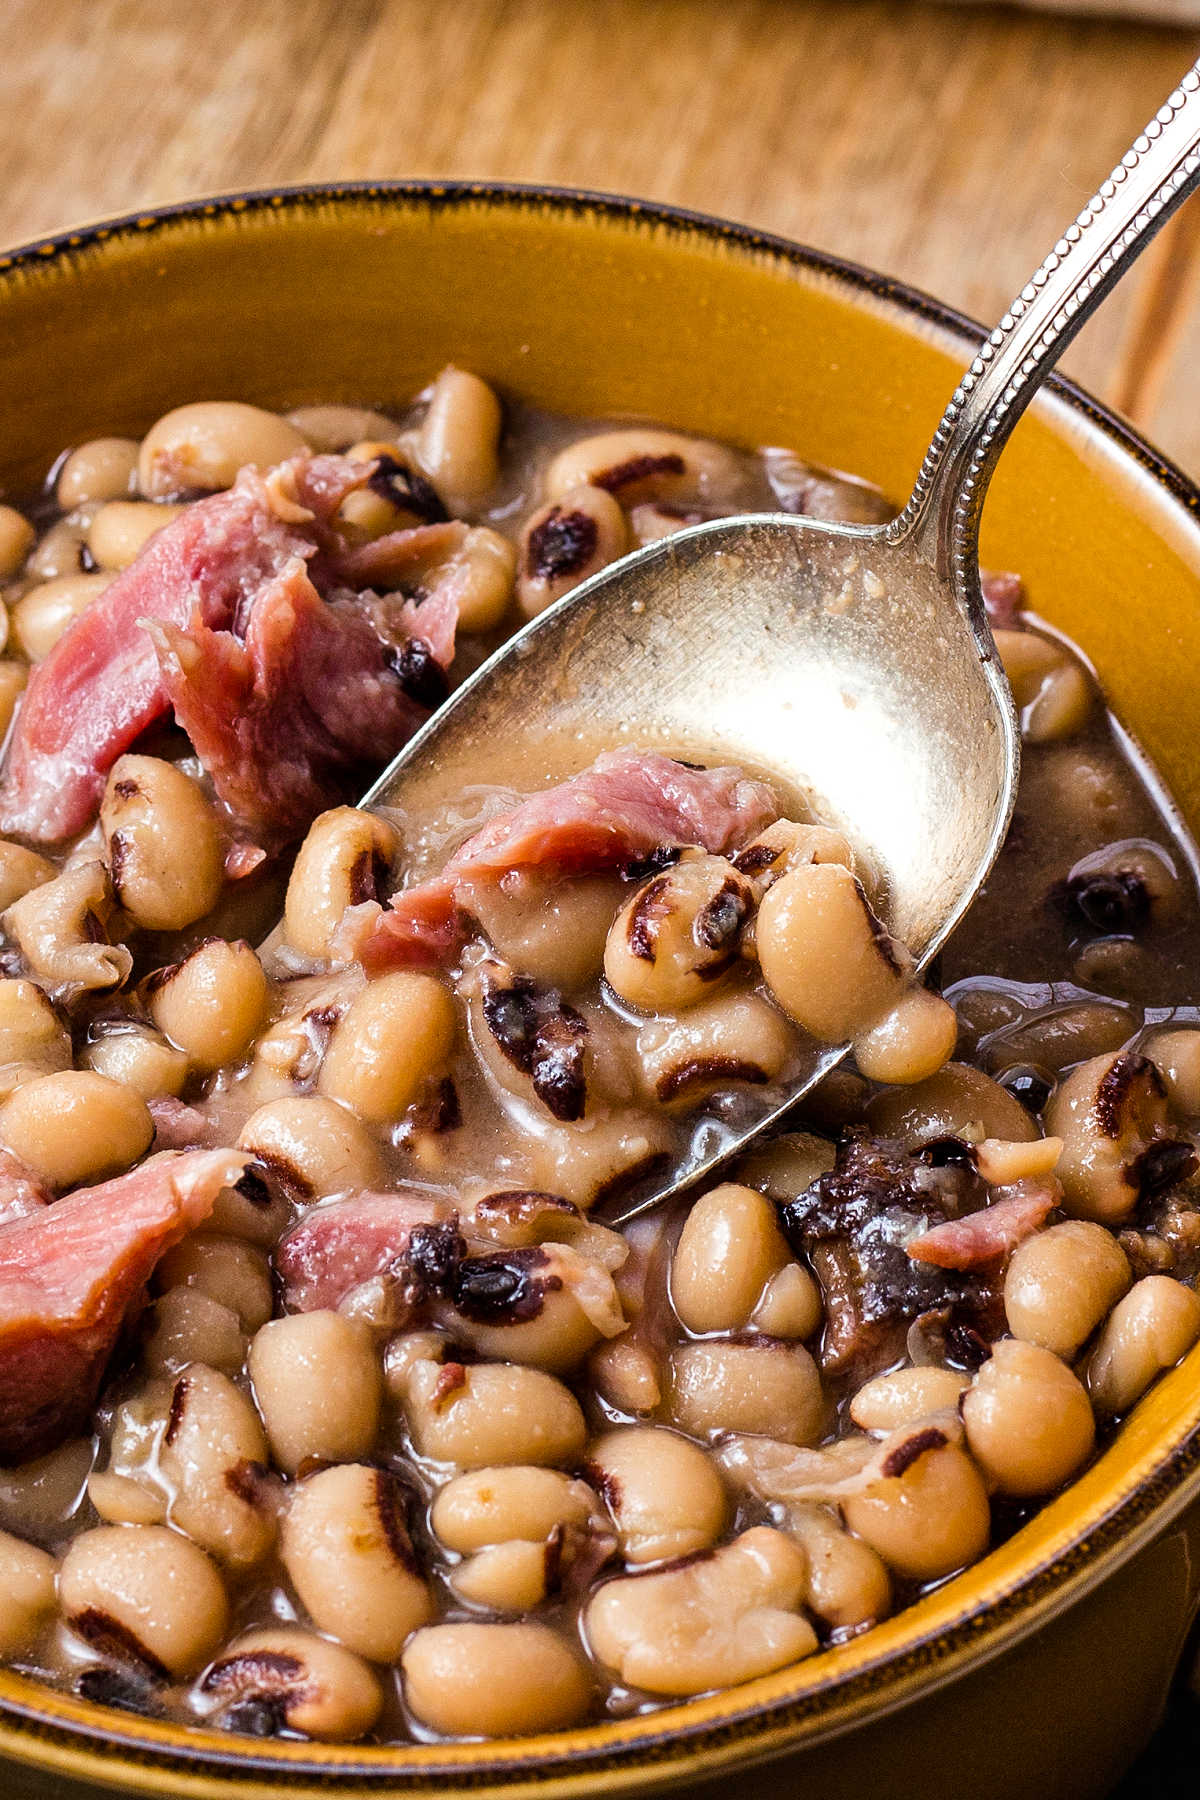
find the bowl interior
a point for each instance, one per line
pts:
(593, 307)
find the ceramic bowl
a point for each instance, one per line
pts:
(1043, 1669)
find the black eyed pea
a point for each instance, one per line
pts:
(345, 1545)
(678, 934)
(481, 1414)
(785, 1166)
(790, 1306)
(258, 1209)
(728, 1250)
(296, 1681)
(102, 469)
(768, 1388)
(343, 861)
(1176, 1056)
(26, 1593)
(17, 538)
(120, 530)
(1052, 691)
(58, 552)
(507, 1504)
(163, 845)
(585, 1160)
(926, 1511)
(187, 1326)
(910, 1043)
(45, 612)
(457, 442)
(20, 869)
(139, 1057)
(75, 1126)
(336, 428)
(59, 929)
(30, 1029)
(625, 1373)
(212, 1459)
(639, 463)
(120, 1500)
(316, 1147)
(483, 573)
(203, 445)
(545, 1306)
(1028, 1420)
(560, 939)
(1148, 1331)
(664, 1494)
(847, 1583)
(13, 679)
(225, 1268)
(212, 1003)
(737, 1037)
(494, 1680)
(1108, 1113)
(905, 1395)
(1060, 1283)
(38, 1499)
(564, 542)
(512, 1577)
(714, 1622)
(788, 845)
(404, 1349)
(392, 1037)
(318, 1387)
(144, 1594)
(958, 1101)
(825, 956)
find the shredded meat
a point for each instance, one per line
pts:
(339, 1246)
(629, 804)
(984, 1236)
(69, 1276)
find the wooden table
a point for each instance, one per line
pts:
(944, 146)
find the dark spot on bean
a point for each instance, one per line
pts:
(115, 1640)
(703, 1069)
(257, 1718)
(947, 1153)
(639, 468)
(718, 924)
(112, 1687)
(433, 1253)
(553, 1557)
(650, 907)
(606, 1485)
(1160, 1166)
(419, 673)
(755, 859)
(883, 940)
(1028, 1084)
(505, 1289)
(254, 1186)
(438, 1109)
(1116, 1087)
(902, 1458)
(249, 1481)
(405, 488)
(1104, 900)
(126, 788)
(519, 1206)
(286, 1173)
(653, 863)
(93, 928)
(179, 1394)
(544, 1038)
(368, 876)
(562, 544)
(391, 1507)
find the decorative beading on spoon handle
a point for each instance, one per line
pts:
(1153, 178)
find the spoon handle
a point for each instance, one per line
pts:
(1155, 176)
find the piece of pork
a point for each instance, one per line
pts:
(69, 1276)
(337, 1247)
(335, 677)
(983, 1238)
(629, 804)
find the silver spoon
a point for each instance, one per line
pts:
(851, 663)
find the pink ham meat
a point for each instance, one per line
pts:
(984, 1237)
(315, 687)
(627, 805)
(282, 719)
(69, 1275)
(338, 1246)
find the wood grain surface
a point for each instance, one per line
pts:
(946, 146)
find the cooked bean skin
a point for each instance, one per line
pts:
(1029, 1422)
(1148, 1331)
(1062, 1282)
(165, 854)
(346, 1547)
(76, 1126)
(392, 1038)
(730, 1247)
(463, 1679)
(204, 444)
(678, 935)
(664, 1494)
(499, 1505)
(318, 1386)
(930, 1517)
(484, 1413)
(342, 862)
(211, 1004)
(285, 1676)
(825, 956)
(148, 1593)
(26, 1592)
(770, 1388)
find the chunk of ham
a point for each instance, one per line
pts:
(629, 804)
(982, 1238)
(69, 1276)
(227, 575)
(337, 1247)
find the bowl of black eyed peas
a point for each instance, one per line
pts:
(358, 1429)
